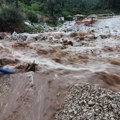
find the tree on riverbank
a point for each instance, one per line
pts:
(52, 9)
(10, 20)
(58, 7)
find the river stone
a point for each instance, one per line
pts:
(89, 102)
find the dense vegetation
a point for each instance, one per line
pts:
(49, 10)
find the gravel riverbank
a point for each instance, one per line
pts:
(88, 102)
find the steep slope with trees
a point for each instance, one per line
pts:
(34, 9)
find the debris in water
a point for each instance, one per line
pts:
(31, 67)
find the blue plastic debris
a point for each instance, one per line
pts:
(6, 71)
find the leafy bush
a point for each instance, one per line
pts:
(52, 21)
(35, 7)
(31, 29)
(32, 17)
(65, 13)
(10, 19)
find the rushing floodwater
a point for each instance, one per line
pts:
(37, 96)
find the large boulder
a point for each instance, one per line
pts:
(61, 19)
(79, 17)
(14, 36)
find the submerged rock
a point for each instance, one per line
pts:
(2, 35)
(15, 36)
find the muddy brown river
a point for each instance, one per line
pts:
(93, 58)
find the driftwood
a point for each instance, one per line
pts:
(31, 67)
(66, 42)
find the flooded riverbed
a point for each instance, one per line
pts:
(38, 96)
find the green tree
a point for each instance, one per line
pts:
(12, 2)
(10, 19)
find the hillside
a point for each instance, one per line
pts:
(48, 11)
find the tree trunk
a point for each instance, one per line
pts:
(16, 3)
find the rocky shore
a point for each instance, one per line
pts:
(88, 102)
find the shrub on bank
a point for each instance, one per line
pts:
(10, 19)
(31, 29)
(35, 7)
(32, 17)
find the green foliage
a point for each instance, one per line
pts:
(10, 19)
(64, 7)
(12, 2)
(32, 17)
(35, 7)
(27, 2)
(31, 29)
(52, 21)
(51, 7)
(9, 1)
(65, 13)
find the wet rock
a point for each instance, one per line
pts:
(105, 36)
(43, 38)
(90, 37)
(58, 36)
(2, 35)
(69, 29)
(91, 103)
(67, 42)
(106, 26)
(50, 38)
(30, 38)
(23, 37)
(70, 43)
(14, 36)
(92, 31)
(61, 19)
(73, 34)
(7, 61)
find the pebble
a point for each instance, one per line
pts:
(89, 102)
